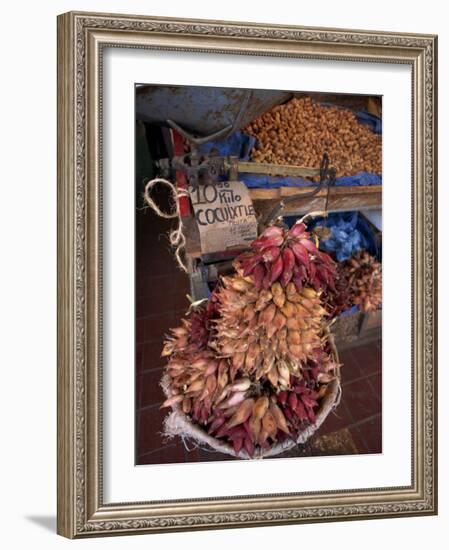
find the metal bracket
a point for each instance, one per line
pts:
(206, 169)
(327, 179)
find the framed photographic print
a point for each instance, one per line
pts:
(246, 274)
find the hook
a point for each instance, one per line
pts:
(327, 179)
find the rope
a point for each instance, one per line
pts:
(176, 236)
(337, 397)
(186, 439)
(323, 213)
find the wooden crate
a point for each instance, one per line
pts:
(356, 328)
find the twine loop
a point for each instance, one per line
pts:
(176, 236)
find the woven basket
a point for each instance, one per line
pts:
(179, 424)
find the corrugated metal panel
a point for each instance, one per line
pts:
(202, 110)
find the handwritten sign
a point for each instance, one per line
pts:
(225, 216)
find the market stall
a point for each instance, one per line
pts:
(273, 142)
(278, 199)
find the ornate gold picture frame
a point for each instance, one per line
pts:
(82, 39)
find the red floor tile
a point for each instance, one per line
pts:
(158, 325)
(367, 435)
(152, 355)
(368, 357)
(149, 437)
(337, 420)
(376, 384)
(139, 357)
(140, 331)
(193, 454)
(149, 284)
(138, 394)
(169, 454)
(212, 456)
(351, 368)
(361, 400)
(162, 297)
(146, 306)
(150, 391)
(181, 302)
(359, 442)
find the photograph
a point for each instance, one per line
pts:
(247, 274)
(258, 274)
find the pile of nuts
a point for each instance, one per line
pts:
(301, 131)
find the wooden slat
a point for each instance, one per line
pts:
(267, 194)
(340, 198)
(192, 234)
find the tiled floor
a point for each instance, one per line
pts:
(360, 409)
(161, 288)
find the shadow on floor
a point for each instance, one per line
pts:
(46, 522)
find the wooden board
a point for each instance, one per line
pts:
(193, 246)
(340, 198)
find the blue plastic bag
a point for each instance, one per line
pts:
(374, 122)
(236, 145)
(349, 233)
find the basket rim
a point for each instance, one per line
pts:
(195, 431)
